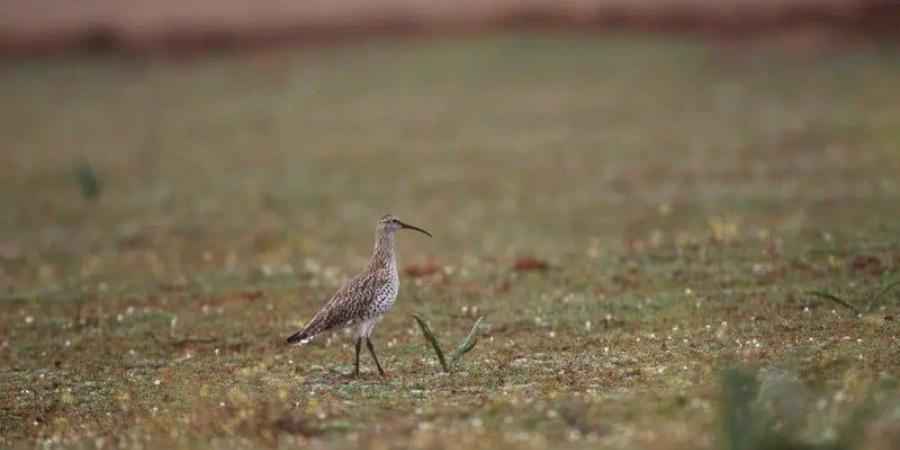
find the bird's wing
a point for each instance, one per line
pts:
(344, 309)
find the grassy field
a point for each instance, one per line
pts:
(685, 195)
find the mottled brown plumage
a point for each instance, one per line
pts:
(364, 300)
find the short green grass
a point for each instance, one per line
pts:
(686, 196)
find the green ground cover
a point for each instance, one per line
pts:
(685, 196)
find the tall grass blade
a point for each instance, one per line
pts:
(429, 336)
(468, 344)
(87, 181)
(881, 293)
(834, 298)
(739, 423)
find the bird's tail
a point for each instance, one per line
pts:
(302, 337)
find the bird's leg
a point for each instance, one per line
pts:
(358, 344)
(372, 351)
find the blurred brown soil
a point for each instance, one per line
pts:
(39, 26)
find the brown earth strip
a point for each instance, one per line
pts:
(40, 26)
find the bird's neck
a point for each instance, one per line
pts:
(384, 250)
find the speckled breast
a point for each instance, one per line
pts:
(387, 292)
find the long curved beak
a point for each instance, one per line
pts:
(411, 227)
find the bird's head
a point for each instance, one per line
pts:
(390, 224)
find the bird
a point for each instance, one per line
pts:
(364, 300)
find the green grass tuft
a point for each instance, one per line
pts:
(88, 181)
(467, 344)
(752, 419)
(432, 340)
(464, 347)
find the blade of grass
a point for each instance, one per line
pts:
(429, 336)
(87, 181)
(834, 298)
(740, 426)
(468, 344)
(881, 293)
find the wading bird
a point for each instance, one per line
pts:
(364, 300)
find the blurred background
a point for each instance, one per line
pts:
(557, 119)
(183, 177)
(146, 25)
